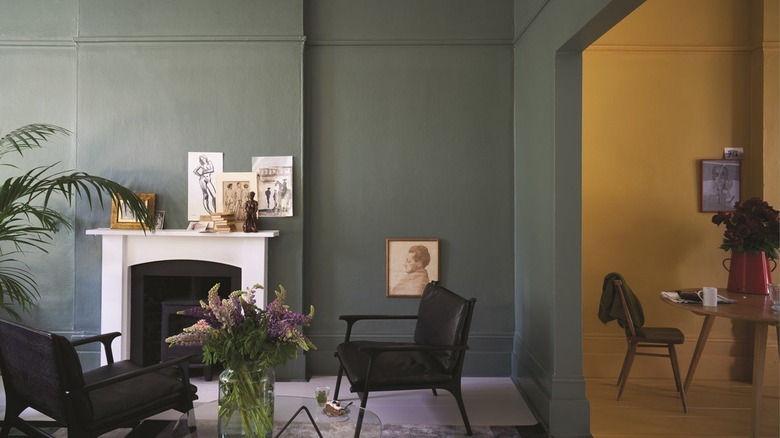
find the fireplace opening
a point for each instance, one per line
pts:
(171, 285)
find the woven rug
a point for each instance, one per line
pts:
(150, 429)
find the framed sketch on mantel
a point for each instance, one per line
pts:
(201, 191)
(233, 190)
(411, 264)
(275, 182)
(719, 188)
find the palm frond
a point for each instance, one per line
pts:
(27, 220)
(17, 287)
(29, 137)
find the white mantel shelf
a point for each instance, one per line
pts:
(182, 233)
(123, 249)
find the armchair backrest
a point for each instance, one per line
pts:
(444, 319)
(39, 367)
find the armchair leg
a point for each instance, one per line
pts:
(459, 398)
(363, 401)
(12, 412)
(338, 383)
(191, 422)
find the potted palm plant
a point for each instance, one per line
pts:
(27, 221)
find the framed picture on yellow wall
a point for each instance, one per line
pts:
(719, 188)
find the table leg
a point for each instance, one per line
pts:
(703, 334)
(759, 355)
(311, 419)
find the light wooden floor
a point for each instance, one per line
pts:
(652, 408)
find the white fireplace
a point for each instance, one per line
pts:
(123, 249)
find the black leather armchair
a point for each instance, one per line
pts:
(434, 360)
(41, 370)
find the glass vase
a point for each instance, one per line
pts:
(246, 401)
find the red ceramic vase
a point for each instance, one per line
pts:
(749, 272)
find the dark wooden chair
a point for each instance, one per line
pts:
(41, 370)
(434, 360)
(650, 337)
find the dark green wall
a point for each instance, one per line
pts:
(409, 134)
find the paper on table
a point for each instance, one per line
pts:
(675, 297)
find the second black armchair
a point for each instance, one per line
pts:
(434, 360)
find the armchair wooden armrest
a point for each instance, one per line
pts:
(352, 319)
(106, 339)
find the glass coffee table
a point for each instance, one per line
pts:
(293, 417)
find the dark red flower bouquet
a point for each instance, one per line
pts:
(752, 226)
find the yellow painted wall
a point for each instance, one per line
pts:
(665, 88)
(770, 132)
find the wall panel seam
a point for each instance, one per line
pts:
(692, 339)
(468, 42)
(671, 49)
(36, 43)
(530, 21)
(189, 39)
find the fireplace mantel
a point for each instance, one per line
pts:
(125, 248)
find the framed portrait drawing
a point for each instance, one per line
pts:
(411, 264)
(719, 187)
(124, 219)
(233, 190)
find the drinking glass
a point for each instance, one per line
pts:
(774, 295)
(321, 393)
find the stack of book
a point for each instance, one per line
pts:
(224, 222)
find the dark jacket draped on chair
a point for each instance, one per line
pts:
(610, 307)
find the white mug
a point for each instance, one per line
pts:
(709, 296)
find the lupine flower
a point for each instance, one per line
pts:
(236, 330)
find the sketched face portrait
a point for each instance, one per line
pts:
(411, 264)
(719, 185)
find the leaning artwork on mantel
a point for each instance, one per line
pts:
(124, 219)
(233, 190)
(411, 264)
(719, 188)
(275, 182)
(201, 191)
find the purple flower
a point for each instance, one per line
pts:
(235, 329)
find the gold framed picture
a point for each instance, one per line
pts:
(124, 219)
(411, 264)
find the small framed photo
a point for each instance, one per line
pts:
(233, 190)
(411, 264)
(719, 188)
(124, 219)
(159, 219)
(733, 153)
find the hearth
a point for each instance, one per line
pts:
(179, 283)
